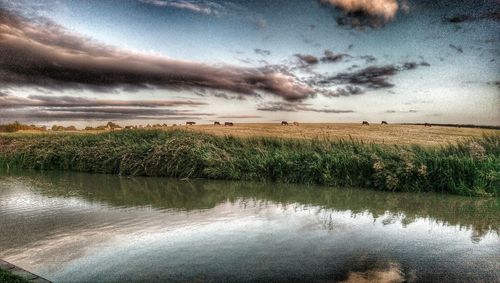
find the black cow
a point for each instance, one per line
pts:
(384, 123)
(190, 123)
(228, 124)
(216, 123)
(365, 123)
(284, 123)
(427, 125)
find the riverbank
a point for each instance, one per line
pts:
(13, 274)
(468, 168)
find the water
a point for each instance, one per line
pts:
(80, 227)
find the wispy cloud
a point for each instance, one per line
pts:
(39, 115)
(457, 48)
(212, 8)
(201, 7)
(51, 108)
(239, 117)
(11, 101)
(262, 52)
(297, 107)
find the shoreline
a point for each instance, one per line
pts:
(14, 273)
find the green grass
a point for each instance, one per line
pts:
(469, 168)
(6, 276)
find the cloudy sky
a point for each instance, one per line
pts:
(168, 61)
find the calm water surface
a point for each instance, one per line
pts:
(71, 227)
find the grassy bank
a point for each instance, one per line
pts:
(467, 168)
(7, 277)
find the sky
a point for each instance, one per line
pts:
(170, 61)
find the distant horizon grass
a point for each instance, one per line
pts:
(470, 167)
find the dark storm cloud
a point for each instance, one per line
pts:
(458, 19)
(462, 18)
(349, 90)
(228, 97)
(331, 57)
(10, 101)
(368, 58)
(307, 59)
(373, 77)
(342, 91)
(410, 65)
(44, 54)
(359, 20)
(494, 83)
(297, 107)
(262, 52)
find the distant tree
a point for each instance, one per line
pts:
(112, 126)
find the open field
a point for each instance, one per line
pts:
(388, 134)
(394, 134)
(471, 167)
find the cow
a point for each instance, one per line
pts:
(384, 123)
(284, 123)
(216, 123)
(295, 123)
(427, 125)
(228, 124)
(365, 123)
(190, 123)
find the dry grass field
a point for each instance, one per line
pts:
(381, 134)
(388, 134)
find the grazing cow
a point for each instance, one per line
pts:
(284, 123)
(427, 125)
(190, 123)
(216, 123)
(228, 124)
(384, 123)
(295, 123)
(365, 123)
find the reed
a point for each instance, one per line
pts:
(470, 167)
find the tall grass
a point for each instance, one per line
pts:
(469, 168)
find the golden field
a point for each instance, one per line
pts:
(388, 134)
(380, 134)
